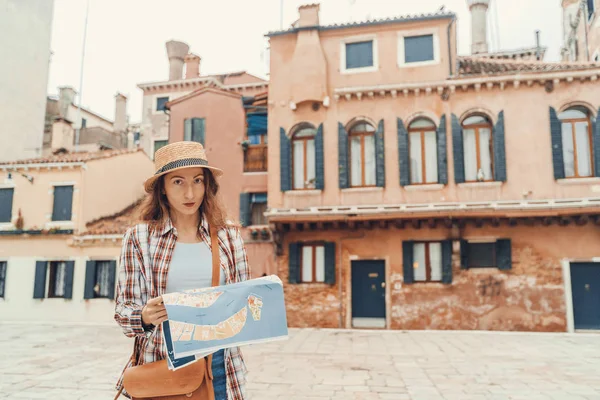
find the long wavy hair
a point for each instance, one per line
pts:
(154, 209)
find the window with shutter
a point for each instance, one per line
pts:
(496, 254)
(427, 262)
(3, 267)
(423, 152)
(577, 142)
(258, 207)
(478, 149)
(6, 204)
(303, 160)
(57, 279)
(362, 155)
(312, 263)
(199, 130)
(63, 203)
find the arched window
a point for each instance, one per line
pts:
(576, 128)
(423, 152)
(478, 149)
(303, 156)
(362, 154)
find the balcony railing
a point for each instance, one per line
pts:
(255, 158)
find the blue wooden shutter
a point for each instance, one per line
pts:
(330, 263)
(342, 156)
(6, 204)
(187, 130)
(458, 150)
(407, 262)
(447, 261)
(499, 150)
(39, 286)
(112, 279)
(464, 259)
(379, 156)
(319, 159)
(285, 162)
(596, 149)
(294, 263)
(403, 154)
(199, 130)
(90, 279)
(63, 203)
(504, 254)
(442, 152)
(557, 149)
(245, 215)
(69, 272)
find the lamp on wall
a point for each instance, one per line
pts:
(26, 176)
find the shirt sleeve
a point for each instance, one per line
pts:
(239, 255)
(129, 302)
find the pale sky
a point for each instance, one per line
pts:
(126, 38)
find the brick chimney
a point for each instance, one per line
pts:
(479, 10)
(176, 51)
(309, 15)
(120, 124)
(192, 66)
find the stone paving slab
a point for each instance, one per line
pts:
(83, 362)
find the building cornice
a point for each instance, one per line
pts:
(40, 166)
(545, 79)
(190, 84)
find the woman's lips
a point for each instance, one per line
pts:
(189, 204)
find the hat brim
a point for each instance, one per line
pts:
(149, 184)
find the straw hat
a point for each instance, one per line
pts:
(176, 156)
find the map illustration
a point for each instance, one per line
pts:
(202, 321)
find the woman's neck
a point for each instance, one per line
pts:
(186, 225)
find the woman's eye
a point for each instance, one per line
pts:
(177, 181)
(198, 181)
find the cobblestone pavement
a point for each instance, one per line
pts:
(82, 362)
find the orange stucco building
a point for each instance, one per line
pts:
(413, 188)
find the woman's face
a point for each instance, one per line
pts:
(185, 190)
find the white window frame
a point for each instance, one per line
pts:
(356, 39)
(155, 100)
(401, 53)
(314, 247)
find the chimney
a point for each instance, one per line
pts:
(120, 124)
(192, 66)
(479, 10)
(66, 97)
(309, 15)
(176, 51)
(538, 47)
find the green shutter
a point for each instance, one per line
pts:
(285, 162)
(6, 204)
(380, 155)
(330, 263)
(342, 156)
(464, 259)
(245, 214)
(294, 263)
(199, 130)
(557, 151)
(187, 130)
(319, 159)
(112, 279)
(39, 286)
(504, 254)
(499, 150)
(596, 149)
(458, 150)
(442, 152)
(403, 154)
(407, 262)
(69, 273)
(447, 261)
(90, 279)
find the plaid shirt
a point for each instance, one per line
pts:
(145, 259)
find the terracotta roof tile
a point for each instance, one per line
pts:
(473, 66)
(115, 224)
(70, 157)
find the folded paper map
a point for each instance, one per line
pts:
(202, 321)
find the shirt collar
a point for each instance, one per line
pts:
(168, 225)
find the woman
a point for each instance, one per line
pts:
(170, 251)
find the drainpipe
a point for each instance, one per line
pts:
(450, 47)
(339, 270)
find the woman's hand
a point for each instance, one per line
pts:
(154, 312)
